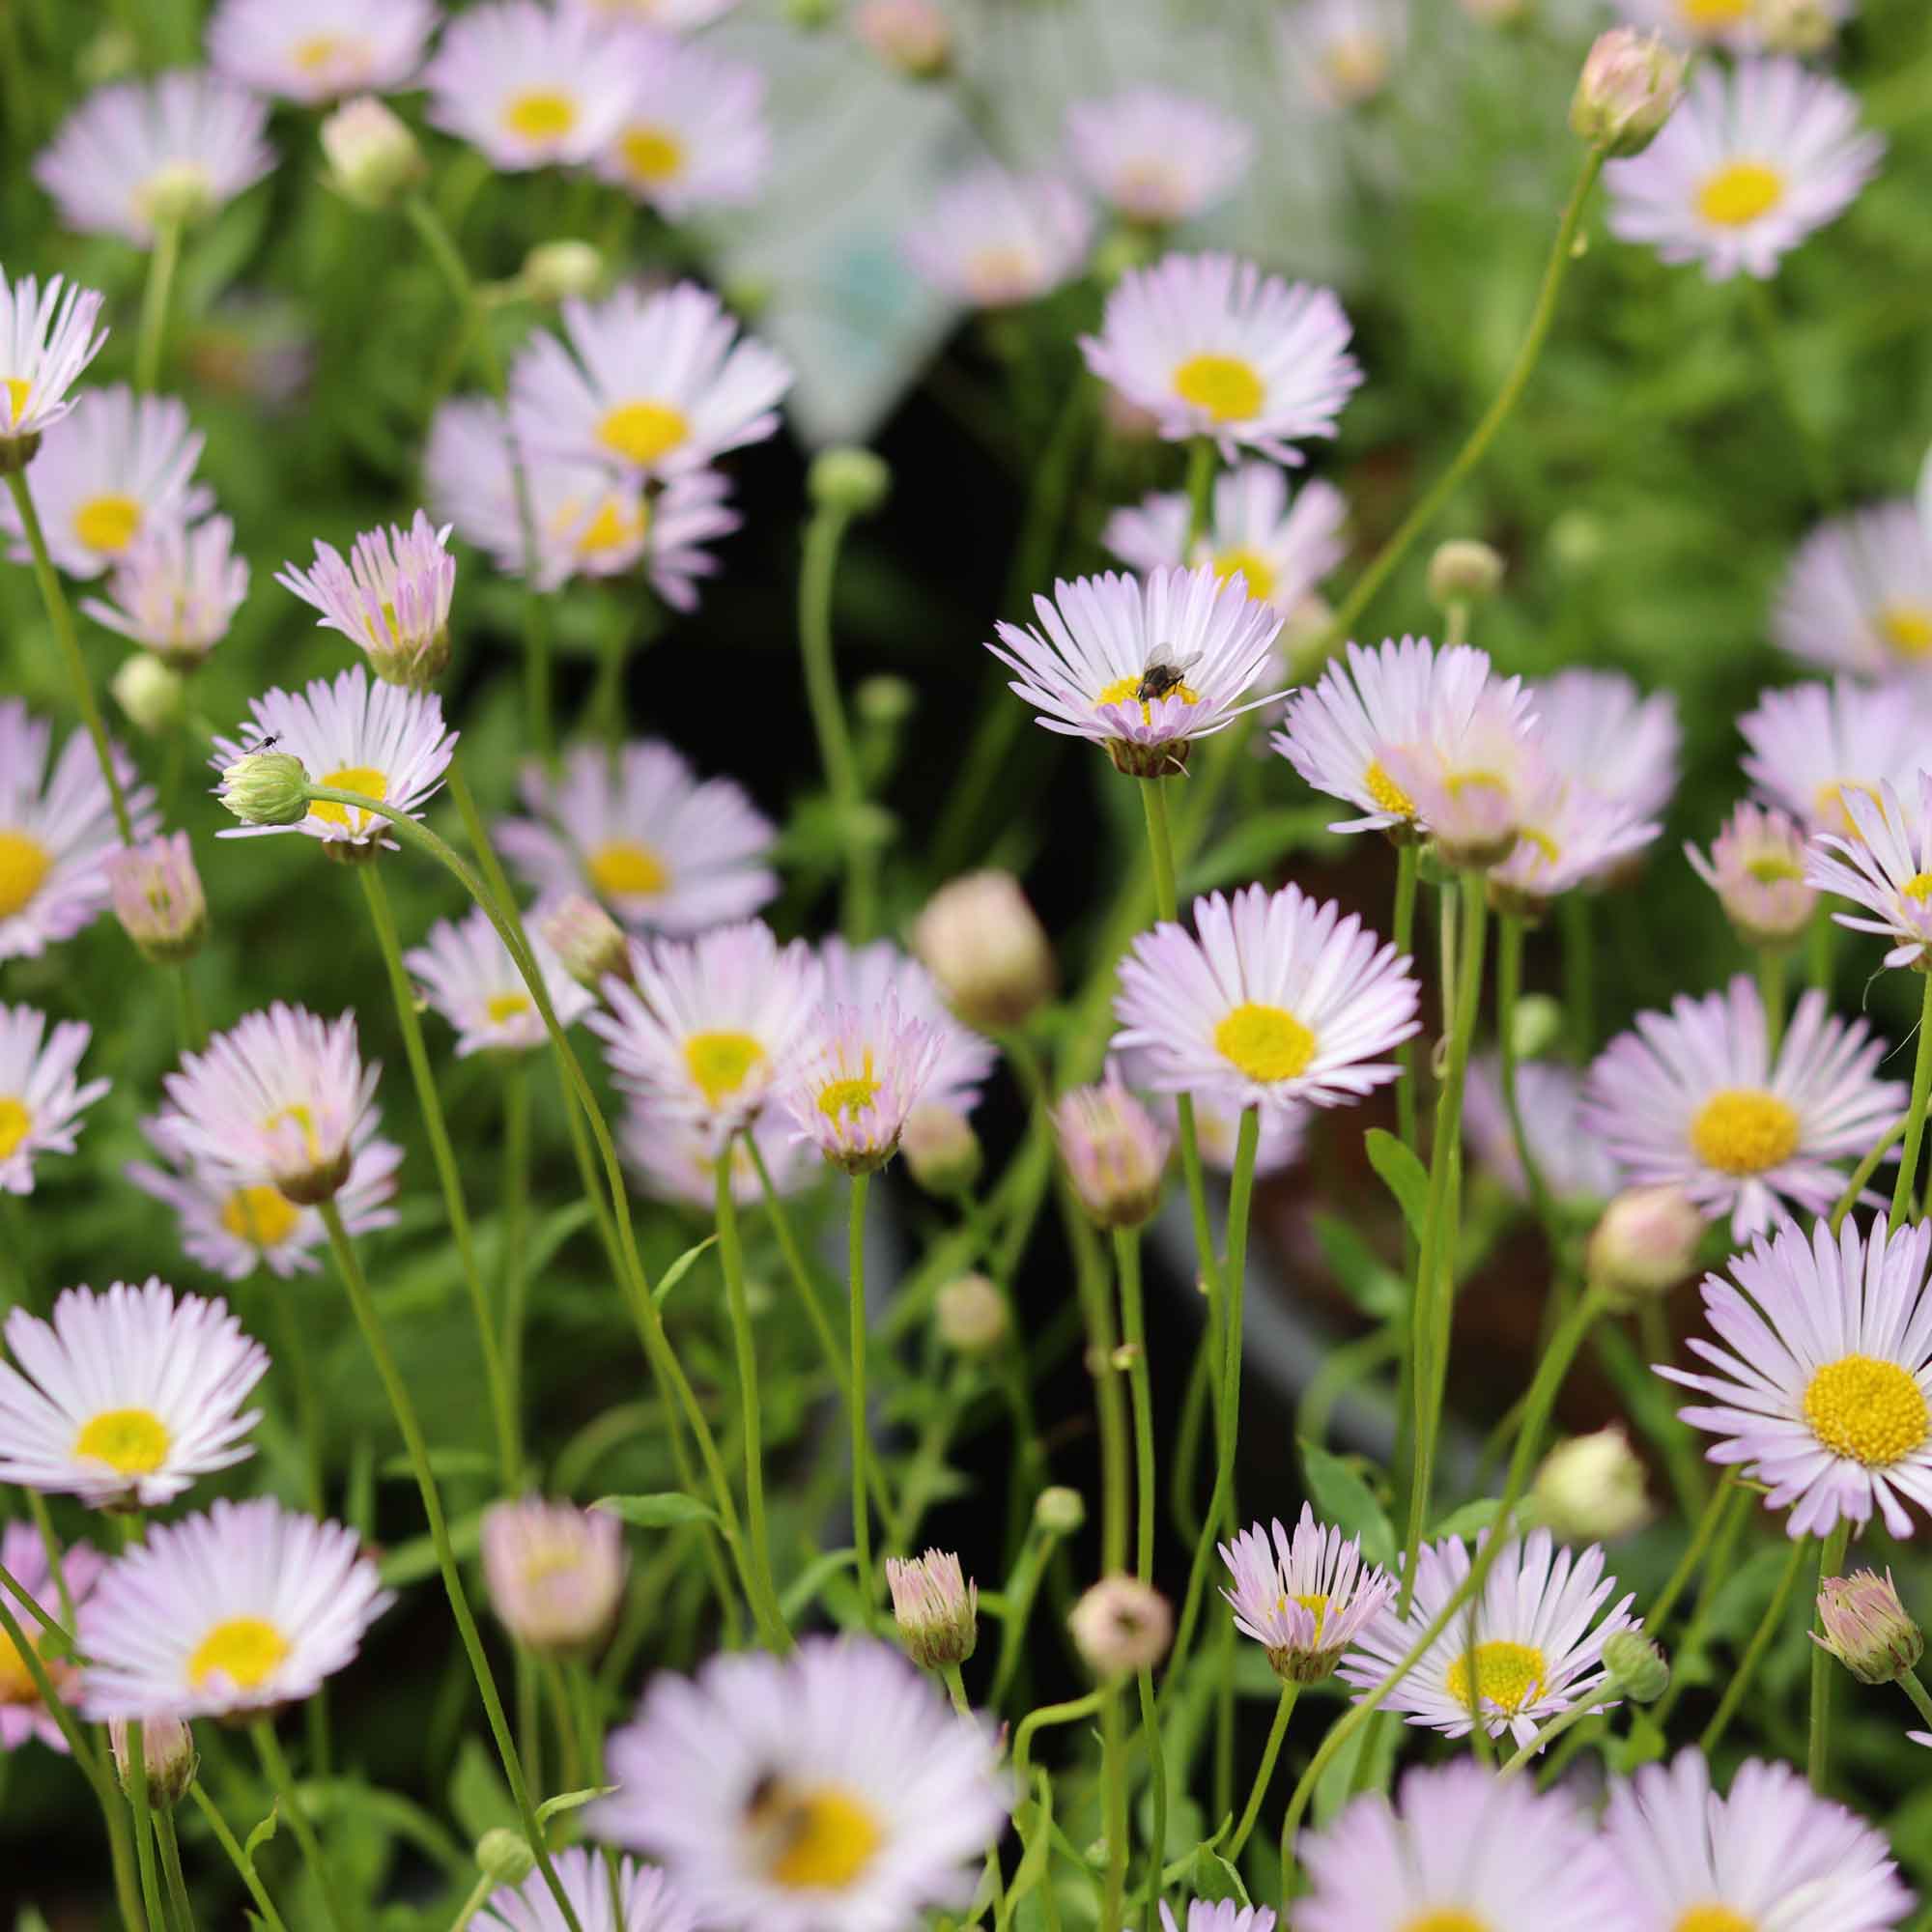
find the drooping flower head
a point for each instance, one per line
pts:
(47, 339)
(1697, 1096)
(1114, 1149)
(1757, 869)
(1120, 1625)
(869, 976)
(126, 1397)
(23, 1554)
(323, 50)
(40, 1100)
(1575, 1164)
(1304, 1599)
(556, 1572)
(642, 1900)
(391, 598)
(1339, 53)
(860, 1072)
(995, 240)
(1858, 596)
(1157, 155)
(174, 590)
(1886, 867)
(1600, 730)
(471, 980)
(1811, 744)
(694, 133)
(1210, 346)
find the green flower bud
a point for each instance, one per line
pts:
(849, 479)
(505, 1856)
(266, 788)
(1640, 1668)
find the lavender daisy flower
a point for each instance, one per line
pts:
(41, 1101)
(391, 598)
(1696, 1097)
(47, 339)
(1858, 596)
(23, 1554)
(1600, 730)
(1569, 1155)
(639, 1900)
(468, 976)
(1340, 53)
(1811, 744)
(1306, 1599)
(1752, 163)
(174, 590)
(143, 153)
(1271, 999)
(125, 1398)
(1737, 25)
(1155, 156)
(1568, 835)
(676, 1159)
(556, 1572)
(868, 975)
(855, 1080)
(1210, 346)
(323, 50)
(1220, 1916)
(1885, 866)
(1477, 778)
(1757, 869)
(994, 239)
(694, 133)
(1539, 1639)
(1141, 667)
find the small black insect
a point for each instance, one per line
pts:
(266, 744)
(1162, 676)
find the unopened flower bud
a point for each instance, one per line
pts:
(1640, 1668)
(554, 1572)
(554, 271)
(1866, 1627)
(1060, 1511)
(505, 1856)
(982, 941)
(936, 1607)
(1463, 571)
(588, 942)
(971, 1314)
(266, 788)
(1536, 1025)
(849, 479)
(941, 1149)
(1645, 1242)
(157, 897)
(1114, 1152)
(1757, 869)
(1591, 1488)
(911, 36)
(1795, 26)
(151, 695)
(1630, 86)
(167, 1749)
(1120, 1626)
(884, 702)
(373, 157)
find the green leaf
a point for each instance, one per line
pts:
(1341, 1498)
(413, 1561)
(478, 1797)
(1368, 1281)
(571, 1801)
(262, 1832)
(664, 1511)
(1216, 1878)
(803, 1588)
(1470, 1520)
(1644, 1745)
(1404, 1175)
(679, 1268)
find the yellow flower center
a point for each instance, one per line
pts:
(1387, 793)
(363, 779)
(1123, 690)
(1917, 887)
(1740, 192)
(1709, 16)
(131, 1441)
(1743, 1130)
(1266, 1042)
(1713, 1918)
(259, 1215)
(302, 1119)
(246, 1650)
(845, 1099)
(641, 433)
(718, 1062)
(652, 154)
(1770, 869)
(1451, 1921)
(1870, 1411)
(542, 114)
(1357, 64)
(1252, 565)
(994, 274)
(1906, 628)
(615, 524)
(1507, 1675)
(318, 51)
(107, 523)
(17, 1686)
(1315, 1603)
(503, 1007)
(24, 863)
(820, 1841)
(1827, 805)
(1543, 842)
(626, 869)
(1224, 386)
(16, 1125)
(17, 388)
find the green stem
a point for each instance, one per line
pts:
(1772, 968)
(1407, 871)
(1921, 1701)
(161, 260)
(238, 1858)
(1760, 1642)
(1114, 1776)
(862, 1514)
(823, 535)
(1659, 1613)
(275, 1768)
(1034, 1721)
(1133, 1329)
(171, 1869)
(190, 1027)
(1825, 1666)
(1915, 1119)
(1865, 1169)
(516, 1222)
(1264, 1776)
(1509, 987)
(1201, 458)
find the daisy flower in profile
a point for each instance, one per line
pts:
(1539, 1638)
(1823, 1362)
(467, 976)
(391, 598)
(654, 385)
(1210, 346)
(1571, 1158)
(556, 1572)
(24, 1557)
(694, 133)
(1858, 596)
(321, 50)
(1693, 1858)
(125, 1398)
(665, 850)
(1142, 666)
(675, 1159)
(1339, 53)
(118, 464)
(1114, 1149)
(857, 1079)
(245, 1607)
(831, 1791)
(1270, 999)
(1812, 743)
(1304, 1599)
(376, 739)
(715, 1026)
(1463, 1851)
(1757, 869)
(1568, 835)
(47, 339)
(142, 152)
(280, 1096)
(995, 240)
(41, 1101)
(1884, 866)
(1280, 543)
(1157, 155)
(1753, 161)
(1479, 777)
(1219, 1915)
(1599, 729)
(56, 832)
(868, 975)
(640, 1899)
(529, 87)
(1696, 1097)
(174, 590)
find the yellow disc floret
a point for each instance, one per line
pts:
(107, 523)
(1906, 628)
(1506, 1675)
(643, 432)
(624, 869)
(130, 1441)
(719, 1063)
(651, 154)
(1266, 1042)
(1713, 1918)
(1868, 1409)
(1743, 1130)
(363, 778)
(822, 1839)
(16, 1122)
(541, 114)
(1739, 193)
(1225, 388)
(259, 1214)
(1251, 564)
(244, 1650)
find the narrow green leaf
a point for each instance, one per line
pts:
(1341, 1498)
(1368, 1281)
(262, 1832)
(1470, 1520)
(803, 1588)
(664, 1511)
(1216, 1878)
(571, 1801)
(1404, 1175)
(679, 1268)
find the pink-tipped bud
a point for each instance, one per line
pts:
(941, 1149)
(982, 941)
(913, 37)
(167, 1749)
(1115, 1152)
(1866, 1627)
(1757, 869)
(1122, 1626)
(587, 941)
(972, 1315)
(1645, 1243)
(1630, 87)
(936, 1607)
(157, 897)
(554, 1572)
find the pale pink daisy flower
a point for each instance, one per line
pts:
(41, 1101)
(467, 976)
(866, 976)
(1773, 1852)
(834, 1790)
(246, 1608)
(652, 384)
(1209, 345)
(1304, 1599)
(1569, 1155)
(1223, 1915)
(391, 598)
(124, 1398)
(23, 1554)
(322, 50)
(1270, 999)
(47, 339)
(1339, 53)
(1757, 869)
(556, 1573)
(995, 240)
(676, 1159)
(1531, 1648)
(1598, 728)
(1114, 1149)
(1858, 596)
(118, 464)
(694, 133)
(1568, 834)
(1157, 155)
(1478, 777)
(677, 16)
(1810, 744)
(1823, 1363)
(666, 850)
(355, 734)
(1217, 1124)
(640, 1899)
(1463, 1851)
(1753, 161)
(175, 589)
(57, 831)
(1696, 1097)
(529, 87)
(859, 1073)
(141, 153)
(1884, 866)
(1736, 25)
(1142, 668)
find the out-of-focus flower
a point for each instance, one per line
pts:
(40, 1100)
(468, 976)
(1463, 571)
(912, 37)
(676, 1159)
(1866, 1627)
(936, 1608)
(23, 1554)
(694, 133)
(1858, 596)
(1800, 26)
(565, 267)
(1757, 869)
(1602, 732)
(1591, 1488)
(855, 1080)
(556, 1572)
(986, 950)
(323, 49)
(1336, 55)
(1884, 866)
(1114, 1149)
(1645, 1242)
(640, 1899)
(1630, 87)
(373, 154)
(1219, 1915)
(254, 346)
(588, 942)
(972, 1315)
(1571, 1158)
(1155, 156)
(174, 590)
(1306, 1599)
(995, 240)
(1120, 1626)
(1569, 835)
(1479, 777)
(158, 897)
(868, 975)
(391, 598)
(1810, 744)
(680, 17)
(47, 339)
(152, 697)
